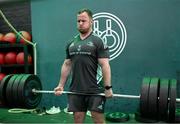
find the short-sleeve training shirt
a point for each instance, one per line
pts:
(84, 56)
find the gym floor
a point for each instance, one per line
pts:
(40, 116)
(28, 117)
(62, 117)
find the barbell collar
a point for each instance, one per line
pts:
(100, 94)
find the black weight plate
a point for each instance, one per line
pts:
(34, 99)
(27, 83)
(117, 117)
(9, 94)
(172, 101)
(15, 96)
(144, 96)
(140, 118)
(163, 99)
(3, 86)
(20, 89)
(153, 98)
(177, 118)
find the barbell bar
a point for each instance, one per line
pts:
(99, 94)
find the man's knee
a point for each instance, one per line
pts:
(97, 117)
(79, 117)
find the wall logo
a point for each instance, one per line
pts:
(113, 32)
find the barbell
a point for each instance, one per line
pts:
(157, 98)
(99, 94)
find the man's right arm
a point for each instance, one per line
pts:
(65, 70)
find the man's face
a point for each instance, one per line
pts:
(84, 23)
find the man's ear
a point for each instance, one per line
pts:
(92, 21)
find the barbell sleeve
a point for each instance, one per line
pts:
(100, 94)
(178, 100)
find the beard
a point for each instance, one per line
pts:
(83, 31)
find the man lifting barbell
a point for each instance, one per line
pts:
(87, 57)
(157, 97)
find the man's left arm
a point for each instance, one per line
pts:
(106, 72)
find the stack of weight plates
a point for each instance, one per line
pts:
(16, 90)
(157, 100)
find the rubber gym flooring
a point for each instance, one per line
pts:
(62, 117)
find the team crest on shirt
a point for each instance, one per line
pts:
(90, 44)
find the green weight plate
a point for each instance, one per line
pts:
(153, 98)
(15, 96)
(9, 94)
(163, 99)
(117, 117)
(3, 86)
(29, 99)
(144, 96)
(172, 101)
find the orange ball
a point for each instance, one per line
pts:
(20, 58)
(26, 35)
(10, 37)
(1, 36)
(10, 58)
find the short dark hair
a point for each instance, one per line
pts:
(90, 14)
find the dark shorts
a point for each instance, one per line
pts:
(82, 103)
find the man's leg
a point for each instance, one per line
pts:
(97, 117)
(79, 117)
(96, 106)
(78, 107)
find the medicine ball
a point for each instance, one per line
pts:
(20, 58)
(10, 58)
(2, 75)
(26, 35)
(1, 58)
(1, 36)
(9, 37)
